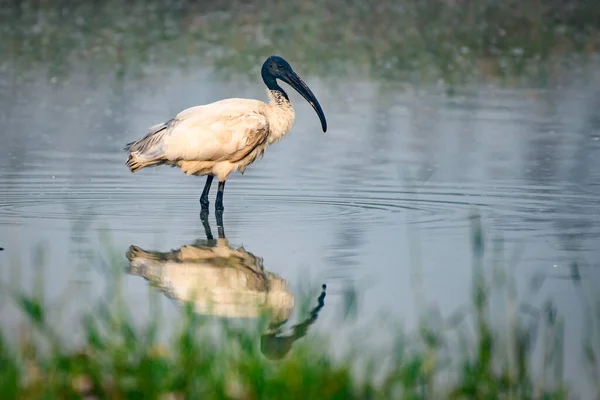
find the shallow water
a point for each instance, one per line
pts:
(392, 184)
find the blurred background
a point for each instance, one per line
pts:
(436, 109)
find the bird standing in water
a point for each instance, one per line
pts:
(225, 136)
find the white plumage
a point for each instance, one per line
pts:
(216, 138)
(225, 136)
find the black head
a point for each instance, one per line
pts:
(276, 67)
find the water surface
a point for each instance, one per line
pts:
(390, 187)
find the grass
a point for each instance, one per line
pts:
(466, 356)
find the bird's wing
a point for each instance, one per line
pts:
(225, 130)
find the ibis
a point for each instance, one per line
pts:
(219, 138)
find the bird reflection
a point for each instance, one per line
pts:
(226, 282)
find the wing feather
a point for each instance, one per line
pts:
(225, 130)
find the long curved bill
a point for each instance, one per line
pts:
(298, 84)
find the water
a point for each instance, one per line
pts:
(392, 184)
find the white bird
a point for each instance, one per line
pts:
(219, 138)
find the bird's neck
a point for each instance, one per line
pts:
(272, 84)
(278, 98)
(281, 115)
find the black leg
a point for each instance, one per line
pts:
(204, 218)
(219, 202)
(220, 228)
(204, 198)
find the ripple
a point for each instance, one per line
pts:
(154, 199)
(61, 186)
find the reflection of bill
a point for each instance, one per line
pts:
(224, 281)
(1, 248)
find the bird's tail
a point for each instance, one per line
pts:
(147, 151)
